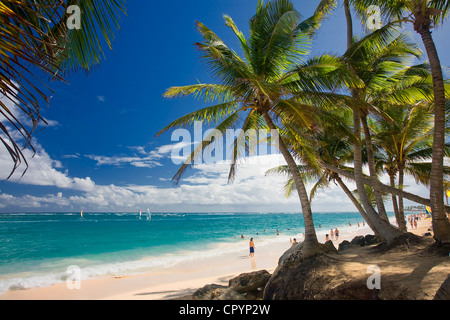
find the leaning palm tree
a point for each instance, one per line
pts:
(379, 60)
(333, 145)
(359, 116)
(45, 38)
(425, 15)
(270, 86)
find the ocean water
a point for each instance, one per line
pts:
(36, 249)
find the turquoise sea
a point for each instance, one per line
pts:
(36, 249)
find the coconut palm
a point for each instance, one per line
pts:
(379, 60)
(334, 145)
(425, 15)
(35, 40)
(405, 147)
(359, 115)
(270, 86)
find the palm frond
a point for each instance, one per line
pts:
(211, 114)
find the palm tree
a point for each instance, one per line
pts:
(379, 60)
(425, 15)
(36, 39)
(360, 116)
(405, 146)
(398, 141)
(269, 85)
(333, 145)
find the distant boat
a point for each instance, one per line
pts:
(149, 215)
(82, 214)
(140, 213)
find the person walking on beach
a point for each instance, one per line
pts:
(252, 248)
(336, 233)
(332, 234)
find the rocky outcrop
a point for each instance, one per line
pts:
(322, 278)
(247, 286)
(360, 241)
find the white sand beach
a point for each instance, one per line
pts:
(181, 279)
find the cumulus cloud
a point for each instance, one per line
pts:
(206, 188)
(43, 171)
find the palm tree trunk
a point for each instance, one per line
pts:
(372, 170)
(441, 224)
(387, 231)
(400, 222)
(356, 203)
(311, 245)
(348, 16)
(401, 207)
(383, 187)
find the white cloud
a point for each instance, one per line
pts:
(42, 171)
(206, 189)
(141, 160)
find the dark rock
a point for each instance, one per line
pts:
(292, 254)
(444, 292)
(255, 295)
(248, 282)
(344, 245)
(299, 281)
(329, 247)
(247, 286)
(358, 241)
(209, 292)
(231, 295)
(370, 239)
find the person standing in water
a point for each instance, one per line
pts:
(252, 248)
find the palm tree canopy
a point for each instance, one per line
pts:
(35, 37)
(272, 76)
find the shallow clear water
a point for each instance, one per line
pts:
(37, 248)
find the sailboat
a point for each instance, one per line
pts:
(82, 217)
(149, 215)
(140, 213)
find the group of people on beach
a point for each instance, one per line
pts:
(333, 236)
(412, 219)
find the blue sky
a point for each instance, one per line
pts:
(99, 152)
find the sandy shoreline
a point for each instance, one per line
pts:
(182, 279)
